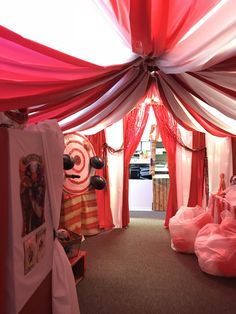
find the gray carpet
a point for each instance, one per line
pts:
(135, 271)
(148, 214)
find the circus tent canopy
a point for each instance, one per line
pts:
(107, 56)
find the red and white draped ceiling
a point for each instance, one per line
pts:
(185, 51)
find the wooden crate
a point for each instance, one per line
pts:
(160, 192)
(78, 266)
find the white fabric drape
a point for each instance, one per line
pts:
(63, 286)
(211, 95)
(219, 152)
(201, 108)
(211, 40)
(24, 279)
(176, 106)
(183, 168)
(64, 295)
(114, 138)
(223, 78)
(100, 42)
(127, 95)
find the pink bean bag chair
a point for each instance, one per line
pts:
(185, 225)
(215, 247)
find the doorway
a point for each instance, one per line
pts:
(142, 185)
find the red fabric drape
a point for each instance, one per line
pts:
(185, 95)
(157, 29)
(54, 85)
(157, 25)
(167, 126)
(234, 154)
(134, 125)
(121, 11)
(103, 196)
(197, 170)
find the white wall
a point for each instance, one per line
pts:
(140, 194)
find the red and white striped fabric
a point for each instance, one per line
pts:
(218, 204)
(79, 213)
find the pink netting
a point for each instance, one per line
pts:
(185, 225)
(215, 247)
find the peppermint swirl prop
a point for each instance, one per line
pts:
(80, 164)
(80, 151)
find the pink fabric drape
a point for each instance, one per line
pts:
(103, 196)
(197, 170)
(134, 125)
(168, 126)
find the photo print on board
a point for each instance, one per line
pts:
(41, 243)
(30, 254)
(32, 192)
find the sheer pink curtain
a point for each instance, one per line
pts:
(134, 125)
(103, 196)
(167, 127)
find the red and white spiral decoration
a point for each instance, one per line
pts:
(79, 148)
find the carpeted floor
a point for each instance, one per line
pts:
(135, 271)
(147, 214)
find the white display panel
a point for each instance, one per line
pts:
(31, 248)
(140, 194)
